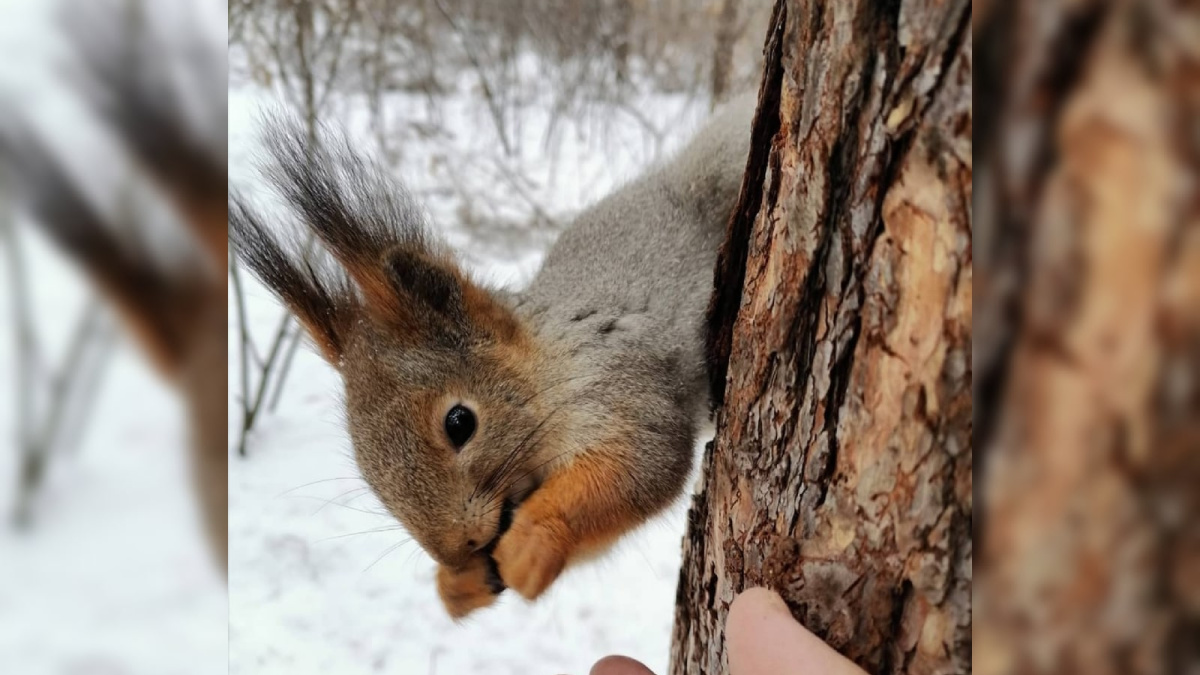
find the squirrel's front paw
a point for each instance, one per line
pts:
(532, 554)
(467, 589)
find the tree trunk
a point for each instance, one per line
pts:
(840, 342)
(1088, 398)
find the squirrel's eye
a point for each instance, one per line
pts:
(460, 425)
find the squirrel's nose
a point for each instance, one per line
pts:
(477, 541)
(459, 547)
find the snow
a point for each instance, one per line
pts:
(114, 577)
(322, 580)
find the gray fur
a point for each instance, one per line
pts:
(624, 291)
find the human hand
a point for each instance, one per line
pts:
(761, 638)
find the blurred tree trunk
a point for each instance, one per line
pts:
(303, 10)
(840, 342)
(1088, 397)
(722, 66)
(622, 39)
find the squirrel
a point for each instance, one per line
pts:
(511, 433)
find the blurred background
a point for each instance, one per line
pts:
(112, 186)
(1086, 357)
(505, 118)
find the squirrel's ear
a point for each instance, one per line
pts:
(422, 280)
(435, 292)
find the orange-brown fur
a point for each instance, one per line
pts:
(464, 590)
(579, 510)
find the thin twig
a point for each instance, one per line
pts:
(86, 384)
(75, 378)
(488, 93)
(296, 337)
(32, 465)
(235, 278)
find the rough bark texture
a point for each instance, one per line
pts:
(841, 471)
(1089, 353)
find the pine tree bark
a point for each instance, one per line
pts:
(840, 347)
(1088, 362)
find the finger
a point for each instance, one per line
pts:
(619, 665)
(762, 637)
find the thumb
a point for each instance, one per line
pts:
(762, 638)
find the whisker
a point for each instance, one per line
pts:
(359, 490)
(391, 548)
(513, 458)
(411, 554)
(344, 506)
(510, 467)
(323, 480)
(539, 465)
(492, 479)
(498, 498)
(565, 380)
(497, 502)
(390, 528)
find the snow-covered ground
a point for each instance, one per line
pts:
(321, 580)
(114, 578)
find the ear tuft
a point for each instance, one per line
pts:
(323, 301)
(388, 264)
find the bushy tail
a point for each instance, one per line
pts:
(709, 169)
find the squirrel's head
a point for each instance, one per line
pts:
(442, 410)
(440, 376)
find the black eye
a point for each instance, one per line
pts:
(460, 425)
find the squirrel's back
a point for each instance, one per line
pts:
(640, 261)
